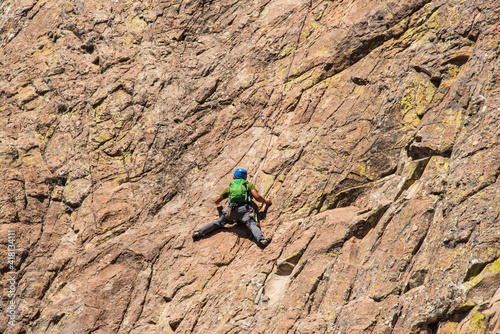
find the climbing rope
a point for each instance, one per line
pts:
(278, 99)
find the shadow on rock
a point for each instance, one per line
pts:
(236, 228)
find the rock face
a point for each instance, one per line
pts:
(121, 121)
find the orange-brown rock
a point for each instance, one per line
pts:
(378, 130)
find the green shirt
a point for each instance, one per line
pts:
(251, 186)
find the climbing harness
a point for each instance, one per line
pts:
(280, 96)
(227, 213)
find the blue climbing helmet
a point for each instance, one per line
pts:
(240, 173)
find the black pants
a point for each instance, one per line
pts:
(239, 214)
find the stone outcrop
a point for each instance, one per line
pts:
(121, 121)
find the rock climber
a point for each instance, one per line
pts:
(240, 193)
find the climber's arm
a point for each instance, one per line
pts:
(221, 197)
(259, 198)
(218, 200)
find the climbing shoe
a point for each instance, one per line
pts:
(197, 236)
(264, 242)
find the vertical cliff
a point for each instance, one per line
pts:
(120, 122)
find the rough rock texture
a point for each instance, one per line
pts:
(121, 121)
